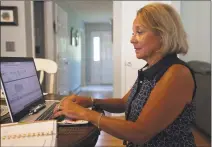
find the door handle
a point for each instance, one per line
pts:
(129, 64)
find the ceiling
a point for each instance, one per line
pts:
(93, 11)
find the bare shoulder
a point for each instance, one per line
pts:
(178, 78)
(179, 71)
(181, 75)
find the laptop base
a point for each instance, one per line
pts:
(34, 117)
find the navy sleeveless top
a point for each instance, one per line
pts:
(177, 134)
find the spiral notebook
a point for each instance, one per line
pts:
(39, 134)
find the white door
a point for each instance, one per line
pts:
(61, 18)
(131, 63)
(101, 61)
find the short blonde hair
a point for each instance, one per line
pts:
(163, 20)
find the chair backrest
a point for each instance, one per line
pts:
(48, 66)
(202, 73)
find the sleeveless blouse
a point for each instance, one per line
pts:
(177, 134)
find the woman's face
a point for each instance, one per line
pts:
(145, 42)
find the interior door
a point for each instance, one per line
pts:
(95, 61)
(61, 20)
(101, 61)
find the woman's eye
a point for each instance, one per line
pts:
(139, 32)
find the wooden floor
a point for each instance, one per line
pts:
(106, 140)
(200, 139)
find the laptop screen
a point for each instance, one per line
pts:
(21, 86)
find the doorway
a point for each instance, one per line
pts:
(100, 64)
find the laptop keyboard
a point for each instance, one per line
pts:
(47, 114)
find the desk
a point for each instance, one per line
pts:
(73, 136)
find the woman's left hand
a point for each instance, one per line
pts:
(71, 110)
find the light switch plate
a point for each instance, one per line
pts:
(10, 46)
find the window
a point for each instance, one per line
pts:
(96, 48)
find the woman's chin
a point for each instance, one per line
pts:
(139, 56)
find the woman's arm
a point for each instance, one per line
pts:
(113, 105)
(167, 100)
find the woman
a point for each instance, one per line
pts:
(159, 107)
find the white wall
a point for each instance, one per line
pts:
(23, 34)
(196, 19)
(83, 58)
(117, 46)
(73, 53)
(29, 21)
(15, 33)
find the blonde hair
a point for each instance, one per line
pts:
(164, 21)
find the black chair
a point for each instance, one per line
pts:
(202, 72)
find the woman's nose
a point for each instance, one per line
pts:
(133, 39)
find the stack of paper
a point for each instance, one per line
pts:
(39, 134)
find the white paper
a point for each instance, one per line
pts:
(67, 121)
(45, 93)
(39, 134)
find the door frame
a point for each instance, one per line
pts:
(49, 34)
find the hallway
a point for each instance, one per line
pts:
(97, 91)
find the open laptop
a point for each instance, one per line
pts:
(22, 90)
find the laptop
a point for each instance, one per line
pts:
(23, 93)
